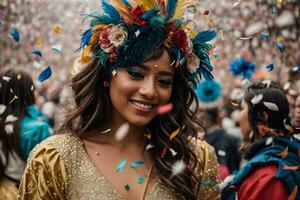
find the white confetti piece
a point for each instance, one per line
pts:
(122, 132)
(236, 3)
(31, 88)
(297, 136)
(269, 141)
(114, 72)
(221, 153)
(9, 128)
(11, 90)
(174, 153)
(149, 146)
(137, 33)
(226, 181)
(10, 118)
(2, 108)
(178, 167)
(106, 131)
(6, 78)
(251, 135)
(246, 38)
(271, 106)
(256, 99)
(267, 82)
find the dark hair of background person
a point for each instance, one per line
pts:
(20, 88)
(274, 119)
(93, 106)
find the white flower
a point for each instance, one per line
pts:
(117, 36)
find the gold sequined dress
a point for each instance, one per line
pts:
(59, 168)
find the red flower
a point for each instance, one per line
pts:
(113, 55)
(180, 39)
(137, 13)
(104, 42)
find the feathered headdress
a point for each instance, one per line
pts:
(129, 29)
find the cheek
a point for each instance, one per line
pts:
(165, 95)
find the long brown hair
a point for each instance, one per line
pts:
(93, 106)
(16, 93)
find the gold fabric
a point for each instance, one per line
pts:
(59, 168)
(8, 191)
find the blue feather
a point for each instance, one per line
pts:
(205, 36)
(206, 74)
(156, 21)
(99, 19)
(149, 14)
(111, 11)
(15, 34)
(85, 38)
(45, 74)
(172, 4)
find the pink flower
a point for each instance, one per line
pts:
(104, 42)
(117, 36)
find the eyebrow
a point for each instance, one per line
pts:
(146, 68)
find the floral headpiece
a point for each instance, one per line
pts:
(128, 29)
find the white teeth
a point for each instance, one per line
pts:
(141, 105)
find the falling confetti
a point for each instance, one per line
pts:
(45, 74)
(221, 153)
(122, 132)
(57, 29)
(164, 152)
(121, 166)
(269, 141)
(136, 164)
(11, 118)
(13, 99)
(165, 109)
(37, 52)
(246, 38)
(178, 167)
(106, 131)
(39, 42)
(174, 153)
(6, 78)
(140, 180)
(280, 47)
(265, 35)
(174, 134)
(236, 3)
(137, 33)
(57, 48)
(148, 134)
(15, 34)
(270, 67)
(2, 108)
(205, 182)
(149, 146)
(256, 99)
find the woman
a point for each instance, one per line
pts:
(21, 127)
(134, 136)
(272, 170)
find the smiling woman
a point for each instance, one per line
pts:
(122, 146)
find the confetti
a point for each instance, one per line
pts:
(273, 10)
(174, 134)
(136, 164)
(256, 99)
(121, 166)
(148, 134)
(57, 29)
(178, 168)
(293, 168)
(31, 88)
(122, 132)
(15, 34)
(11, 118)
(2, 22)
(13, 99)
(205, 182)
(267, 82)
(270, 67)
(284, 153)
(246, 38)
(164, 152)
(269, 140)
(45, 74)
(174, 153)
(236, 3)
(149, 146)
(271, 106)
(265, 35)
(2, 108)
(137, 33)
(114, 72)
(39, 42)
(57, 48)
(9, 128)
(106, 131)
(296, 69)
(246, 55)
(6, 78)
(221, 153)
(37, 52)
(127, 187)
(19, 76)
(280, 47)
(140, 180)
(165, 109)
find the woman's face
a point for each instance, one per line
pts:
(296, 114)
(138, 91)
(243, 120)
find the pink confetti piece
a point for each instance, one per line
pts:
(165, 109)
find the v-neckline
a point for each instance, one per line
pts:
(100, 174)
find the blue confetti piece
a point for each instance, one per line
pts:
(121, 165)
(273, 10)
(265, 35)
(140, 180)
(216, 55)
(56, 50)
(15, 34)
(37, 52)
(270, 67)
(280, 47)
(137, 163)
(205, 182)
(45, 74)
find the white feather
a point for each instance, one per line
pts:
(9, 128)
(271, 106)
(256, 99)
(122, 132)
(2, 108)
(178, 167)
(10, 118)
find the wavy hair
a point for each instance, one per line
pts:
(93, 104)
(13, 83)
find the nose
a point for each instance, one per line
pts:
(148, 89)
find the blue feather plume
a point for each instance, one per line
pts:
(85, 38)
(149, 14)
(205, 36)
(172, 4)
(111, 11)
(99, 19)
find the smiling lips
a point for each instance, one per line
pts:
(142, 106)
